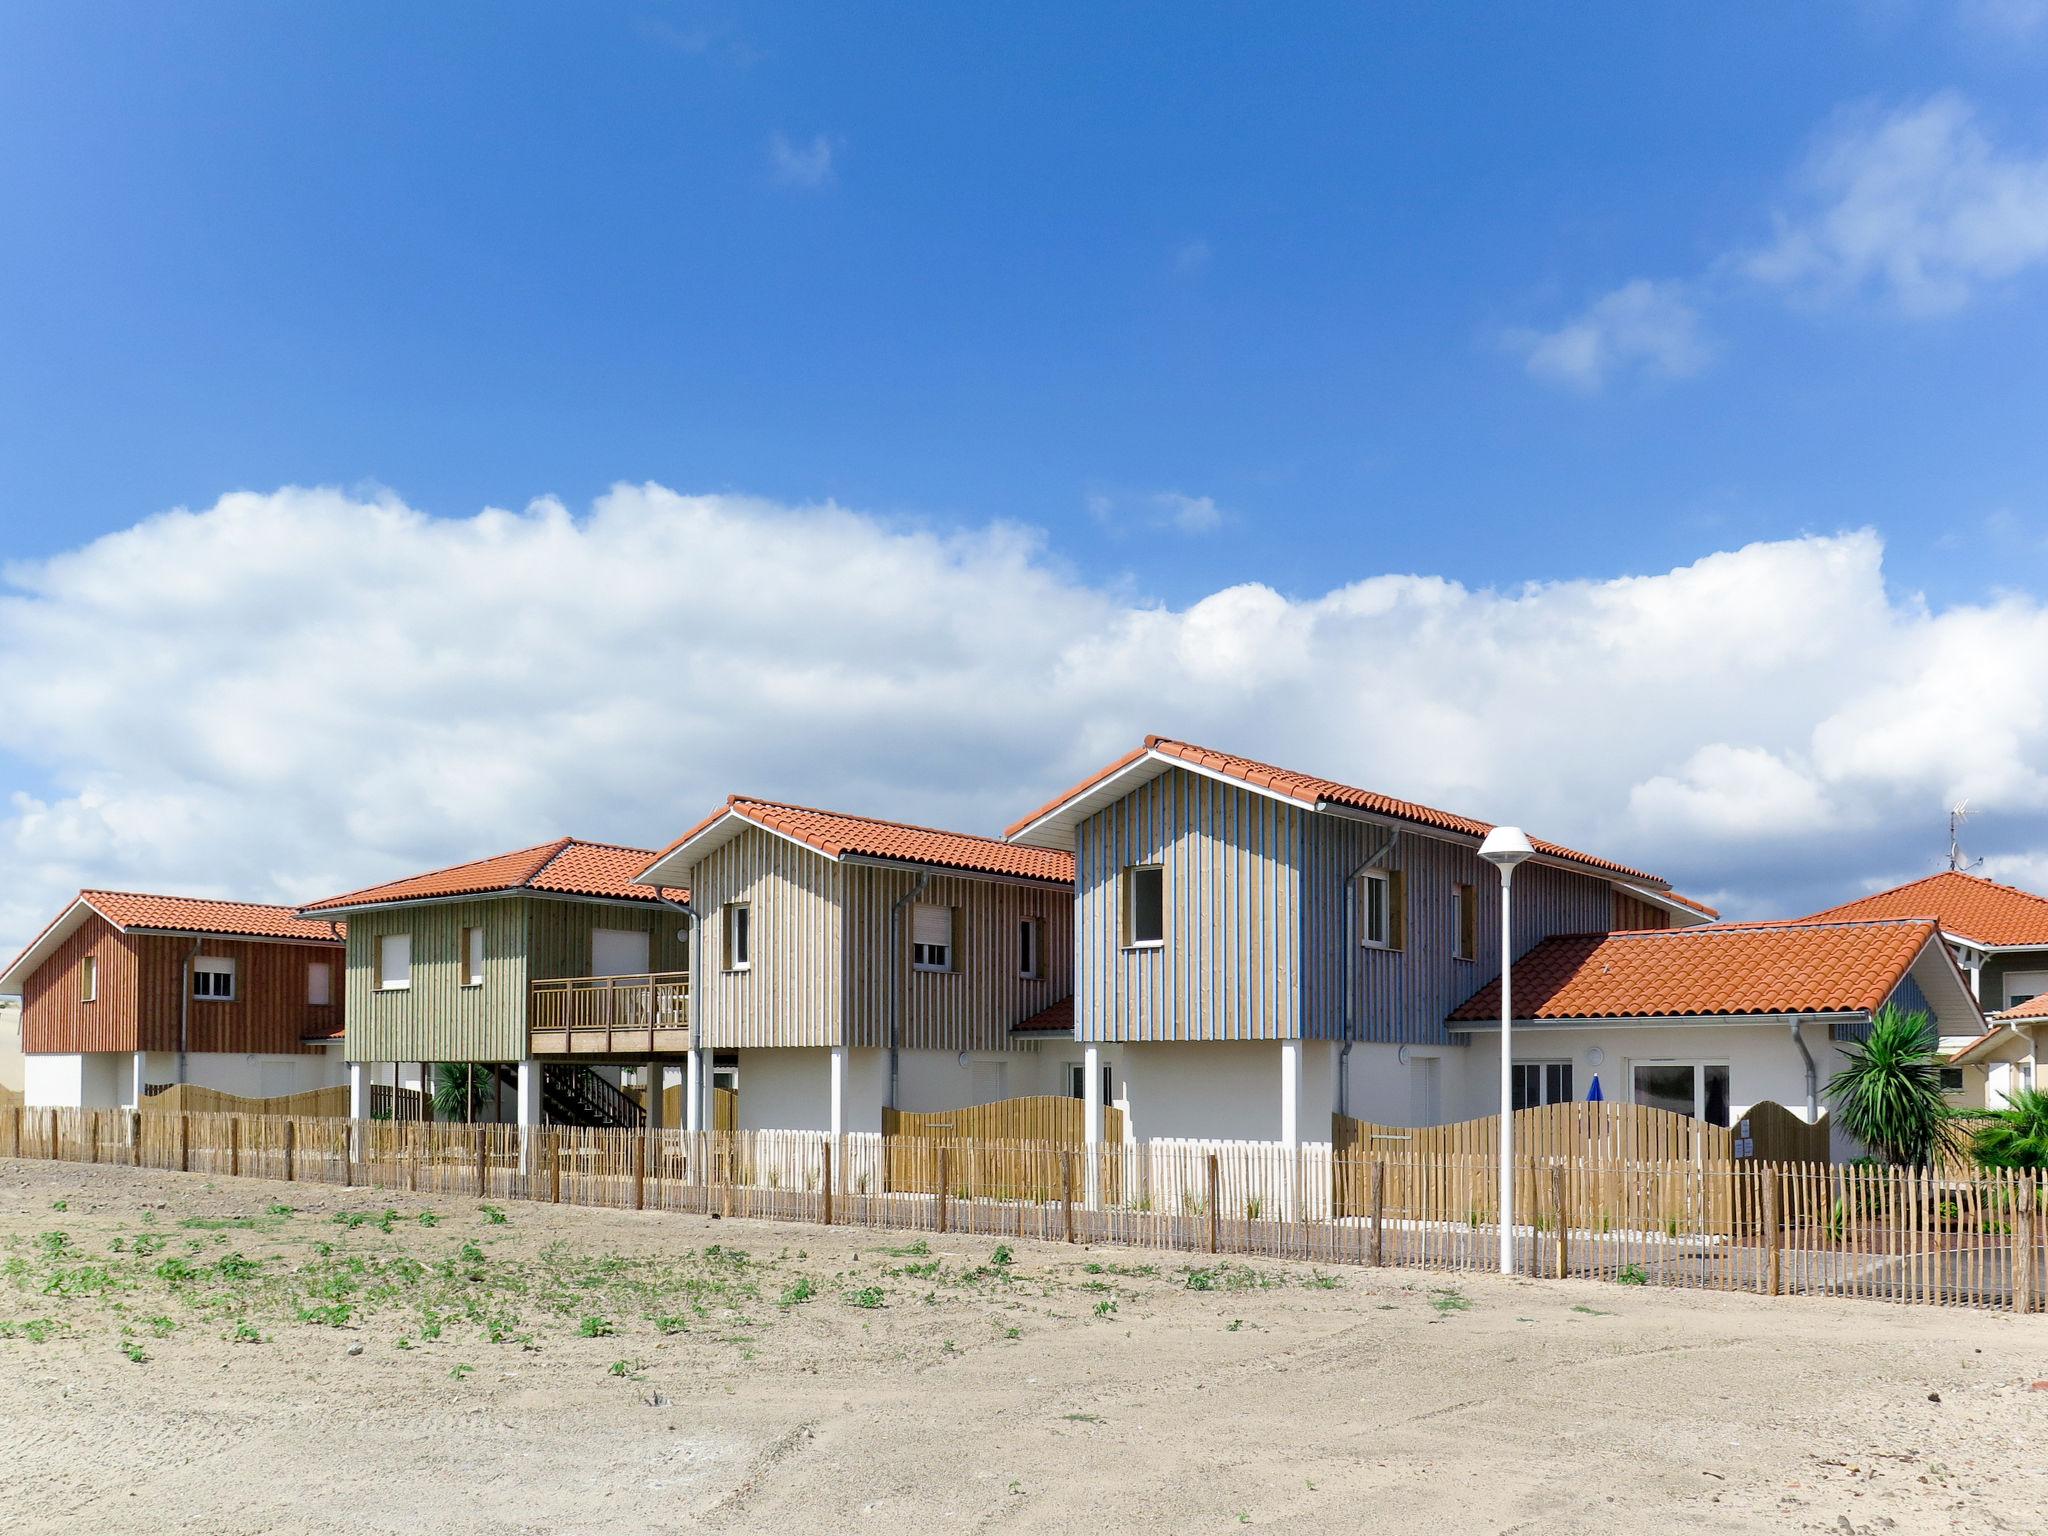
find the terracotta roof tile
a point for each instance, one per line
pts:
(1687, 901)
(194, 914)
(1319, 791)
(1723, 968)
(837, 834)
(2032, 1008)
(1968, 906)
(1054, 1019)
(568, 864)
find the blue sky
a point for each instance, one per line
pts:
(1241, 315)
(1046, 261)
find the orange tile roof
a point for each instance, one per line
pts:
(1053, 1019)
(1725, 968)
(194, 914)
(568, 864)
(1687, 901)
(837, 834)
(2032, 1008)
(1968, 906)
(1318, 791)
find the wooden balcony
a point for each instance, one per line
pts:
(628, 1018)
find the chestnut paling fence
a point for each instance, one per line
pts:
(1937, 1238)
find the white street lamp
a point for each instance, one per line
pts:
(1505, 848)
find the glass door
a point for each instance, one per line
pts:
(1695, 1088)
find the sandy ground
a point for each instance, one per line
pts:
(189, 1355)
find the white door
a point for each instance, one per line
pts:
(618, 952)
(1425, 1091)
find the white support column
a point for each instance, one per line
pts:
(838, 1092)
(693, 1092)
(1091, 1122)
(527, 1110)
(141, 1080)
(1290, 1125)
(358, 1104)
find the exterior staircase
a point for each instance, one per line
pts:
(578, 1096)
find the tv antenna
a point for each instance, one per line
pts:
(1958, 814)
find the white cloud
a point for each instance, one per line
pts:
(1641, 327)
(1919, 205)
(285, 695)
(1171, 510)
(809, 166)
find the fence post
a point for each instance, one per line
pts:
(95, 1153)
(1562, 1214)
(945, 1192)
(1213, 1186)
(640, 1171)
(291, 1161)
(135, 1137)
(1379, 1212)
(184, 1142)
(18, 1113)
(348, 1154)
(555, 1164)
(483, 1170)
(2023, 1245)
(53, 1136)
(1774, 1257)
(828, 1183)
(1067, 1193)
(235, 1146)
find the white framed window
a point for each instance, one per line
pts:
(1541, 1082)
(931, 938)
(1951, 1079)
(319, 983)
(2024, 986)
(1144, 904)
(1465, 924)
(1027, 948)
(1696, 1088)
(737, 922)
(89, 979)
(1379, 909)
(394, 962)
(472, 956)
(1077, 1081)
(213, 979)
(619, 951)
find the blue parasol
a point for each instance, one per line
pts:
(1593, 1093)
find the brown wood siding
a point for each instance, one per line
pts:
(54, 1019)
(141, 983)
(972, 1006)
(793, 992)
(1634, 912)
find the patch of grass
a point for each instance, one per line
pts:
(162, 1327)
(1449, 1300)
(135, 1353)
(868, 1297)
(798, 1293)
(1632, 1274)
(245, 1333)
(1318, 1281)
(235, 1267)
(461, 1372)
(1229, 1277)
(60, 1205)
(630, 1368)
(916, 1250)
(596, 1328)
(37, 1330)
(1105, 1308)
(282, 1210)
(671, 1323)
(1591, 1311)
(494, 1215)
(54, 1244)
(429, 1219)
(334, 1314)
(1002, 1258)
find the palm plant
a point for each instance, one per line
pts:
(2015, 1136)
(458, 1086)
(1888, 1095)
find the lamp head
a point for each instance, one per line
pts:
(1506, 847)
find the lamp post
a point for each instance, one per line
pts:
(1504, 849)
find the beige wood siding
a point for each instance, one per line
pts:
(972, 1006)
(793, 993)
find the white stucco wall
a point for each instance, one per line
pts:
(1213, 1090)
(785, 1088)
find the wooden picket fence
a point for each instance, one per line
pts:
(1741, 1224)
(987, 1147)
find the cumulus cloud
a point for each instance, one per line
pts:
(808, 165)
(1645, 328)
(1918, 205)
(1175, 511)
(285, 695)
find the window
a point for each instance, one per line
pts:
(2024, 986)
(1951, 1079)
(1027, 949)
(1144, 906)
(394, 962)
(213, 979)
(1542, 1082)
(1696, 1088)
(1077, 1081)
(319, 983)
(619, 951)
(1465, 909)
(89, 979)
(931, 938)
(472, 957)
(739, 935)
(1380, 902)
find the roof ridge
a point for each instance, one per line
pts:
(219, 901)
(1758, 924)
(556, 843)
(876, 821)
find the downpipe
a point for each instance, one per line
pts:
(1812, 1074)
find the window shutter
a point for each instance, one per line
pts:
(931, 925)
(1397, 908)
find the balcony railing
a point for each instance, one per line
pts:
(633, 1017)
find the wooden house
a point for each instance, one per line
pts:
(550, 957)
(124, 994)
(847, 963)
(1257, 948)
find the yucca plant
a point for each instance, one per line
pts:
(1888, 1095)
(2015, 1136)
